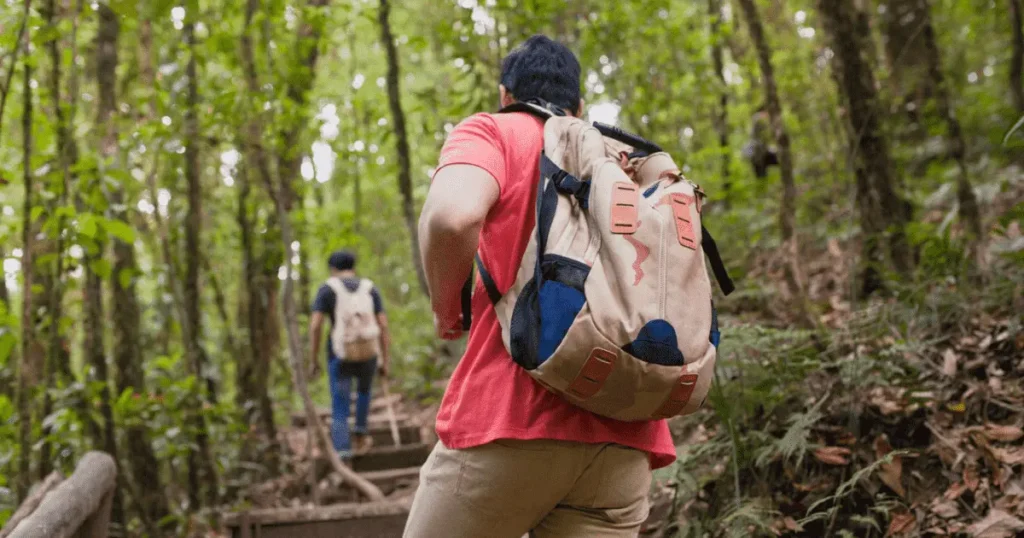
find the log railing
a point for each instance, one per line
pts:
(78, 507)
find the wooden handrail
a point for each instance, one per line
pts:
(79, 506)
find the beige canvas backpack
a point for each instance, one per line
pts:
(612, 307)
(355, 335)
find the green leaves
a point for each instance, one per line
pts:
(87, 225)
(120, 229)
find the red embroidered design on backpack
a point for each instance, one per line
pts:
(642, 252)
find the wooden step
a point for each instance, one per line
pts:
(333, 490)
(387, 479)
(356, 520)
(375, 418)
(408, 435)
(389, 457)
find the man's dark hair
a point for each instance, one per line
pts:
(342, 260)
(544, 69)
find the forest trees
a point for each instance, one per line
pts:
(884, 212)
(787, 207)
(402, 138)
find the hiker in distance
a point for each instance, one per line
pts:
(358, 346)
(515, 456)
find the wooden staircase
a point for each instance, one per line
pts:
(393, 469)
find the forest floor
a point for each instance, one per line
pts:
(901, 416)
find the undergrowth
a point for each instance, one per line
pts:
(791, 441)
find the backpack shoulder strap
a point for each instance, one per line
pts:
(536, 107)
(336, 285)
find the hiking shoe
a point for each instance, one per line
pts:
(361, 444)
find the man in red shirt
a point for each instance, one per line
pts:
(514, 457)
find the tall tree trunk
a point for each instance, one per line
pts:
(254, 361)
(201, 474)
(884, 212)
(402, 139)
(261, 285)
(221, 302)
(30, 348)
(722, 116)
(787, 208)
(904, 47)
(20, 42)
(107, 35)
(5, 296)
(1017, 58)
(968, 202)
(143, 464)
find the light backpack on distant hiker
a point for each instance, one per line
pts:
(611, 307)
(355, 334)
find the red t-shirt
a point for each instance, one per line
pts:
(489, 396)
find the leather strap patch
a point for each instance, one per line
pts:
(593, 374)
(625, 197)
(679, 397)
(684, 226)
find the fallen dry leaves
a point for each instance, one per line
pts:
(1005, 434)
(949, 362)
(945, 509)
(1009, 456)
(833, 455)
(891, 473)
(998, 524)
(902, 524)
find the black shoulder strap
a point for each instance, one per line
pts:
(537, 107)
(467, 292)
(467, 302)
(715, 258)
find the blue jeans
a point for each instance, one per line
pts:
(339, 375)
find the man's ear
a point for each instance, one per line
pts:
(579, 113)
(506, 98)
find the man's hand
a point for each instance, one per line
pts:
(314, 369)
(448, 329)
(382, 368)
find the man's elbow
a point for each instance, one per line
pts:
(454, 223)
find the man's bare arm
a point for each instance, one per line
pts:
(385, 342)
(459, 199)
(316, 323)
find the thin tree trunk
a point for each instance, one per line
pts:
(5, 296)
(221, 302)
(27, 372)
(722, 116)
(1017, 58)
(18, 44)
(201, 475)
(143, 464)
(106, 69)
(253, 369)
(968, 202)
(402, 139)
(884, 212)
(787, 209)
(260, 279)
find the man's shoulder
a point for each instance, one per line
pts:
(499, 123)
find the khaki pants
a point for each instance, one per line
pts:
(550, 489)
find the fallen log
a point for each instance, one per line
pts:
(78, 506)
(31, 502)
